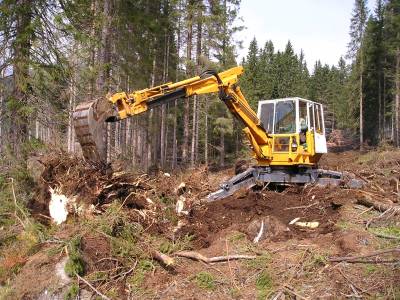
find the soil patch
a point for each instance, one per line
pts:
(238, 211)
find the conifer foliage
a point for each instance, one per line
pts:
(56, 54)
(361, 95)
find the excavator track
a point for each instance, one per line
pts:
(258, 175)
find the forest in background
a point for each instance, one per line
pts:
(361, 92)
(56, 54)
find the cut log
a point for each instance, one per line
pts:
(378, 205)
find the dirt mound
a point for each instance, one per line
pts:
(238, 211)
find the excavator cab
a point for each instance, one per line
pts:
(296, 126)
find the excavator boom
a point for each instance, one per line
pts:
(89, 117)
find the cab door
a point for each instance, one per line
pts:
(317, 121)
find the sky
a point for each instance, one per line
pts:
(319, 27)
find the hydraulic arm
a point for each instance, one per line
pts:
(224, 83)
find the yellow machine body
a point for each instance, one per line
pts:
(269, 149)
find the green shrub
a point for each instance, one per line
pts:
(72, 292)
(264, 284)
(205, 280)
(75, 264)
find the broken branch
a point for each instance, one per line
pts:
(163, 258)
(357, 258)
(93, 288)
(199, 257)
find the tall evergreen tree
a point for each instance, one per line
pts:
(356, 50)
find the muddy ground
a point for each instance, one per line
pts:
(121, 219)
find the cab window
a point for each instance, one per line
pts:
(285, 117)
(267, 116)
(311, 113)
(303, 118)
(319, 126)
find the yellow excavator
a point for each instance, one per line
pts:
(287, 136)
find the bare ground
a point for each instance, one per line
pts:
(136, 215)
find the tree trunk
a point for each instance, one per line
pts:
(105, 50)
(206, 132)
(108, 141)
(175, 119)
(361, 103)
(21, 48)
(174, 138)
(72, 102)
(384, 106)
(2, 135)
(222, 149)
(379, 109)
(397, 95)
(196, 146)
(194, 122)
(93, 9)
(163, 143)
(195, 126)
(185, 144)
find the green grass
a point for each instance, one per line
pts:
(260, 262)
(264, 284)
(370, 269)
(166, 200)
(144, 266)
(72, 292)
(205, 280)
(236, 236)
(392, 230)
(75, 264)
(184, 243)
(314, 261)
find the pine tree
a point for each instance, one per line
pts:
(356, 50)
(392, 45)
(249, 80)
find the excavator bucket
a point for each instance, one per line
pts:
(90, 127)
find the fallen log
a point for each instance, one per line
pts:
(199, 257)
(377, 205)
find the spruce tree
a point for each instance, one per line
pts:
(356, 50)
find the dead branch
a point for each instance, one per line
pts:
(17, 206)
(351, 282)
(301, 207)
(372, 261)
(163, 258)
(385, 236)
(92, 287)
(357, 258)
(290, 289)
(123, 274)
(379, 206)
(199, 257)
